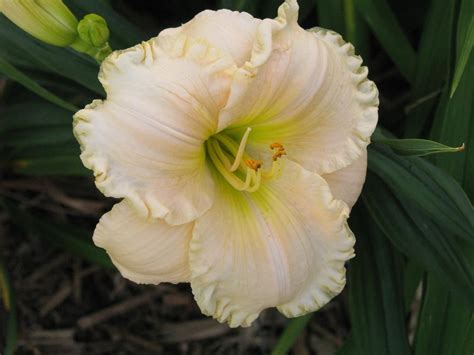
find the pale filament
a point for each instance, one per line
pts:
(240, 151)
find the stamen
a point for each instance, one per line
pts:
(278, 154)
(257, 177)
(254, 164)
(240, 151)
(276, 145)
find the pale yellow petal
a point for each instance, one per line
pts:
(284, 245)
(231, 31)
(346, 183)
(146, 141)
(306, 90)
(144, 250)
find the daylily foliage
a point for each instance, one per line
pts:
(238, 146)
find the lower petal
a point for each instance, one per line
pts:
(284, 245)
(346, 184)
(144, 250)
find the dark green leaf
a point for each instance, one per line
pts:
(463, 58)
(34, 54)
(375, 295)
(418, 147)
(386, 28)
(418, 237)
(429, 188)
(331, 15)
(16, 75)
(445, 324)
(431, 65)
(454, 122)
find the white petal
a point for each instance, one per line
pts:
(305, 90)
(230, 31)
(284, 245)
(346, 184)
(144, 250)
(145, 142)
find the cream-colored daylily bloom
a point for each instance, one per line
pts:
(239, 148)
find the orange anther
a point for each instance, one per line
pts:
(253, 164)
(276, 145)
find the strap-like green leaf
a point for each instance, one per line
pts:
(418, 237)
(418, 147)
(386, 28)
(13, 73)
(432, 65)
(376, 295)
(291, 333)
(445, 323)
(21, 49)
(466, 50)
(433, 191)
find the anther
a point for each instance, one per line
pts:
(254, 164)
(276, 145)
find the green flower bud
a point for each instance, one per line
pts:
(93, 30)
(48, 20)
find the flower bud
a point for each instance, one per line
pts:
(93, 30)
(48, 20)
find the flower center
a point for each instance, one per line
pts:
(236, 166)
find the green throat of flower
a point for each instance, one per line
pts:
(236, 166)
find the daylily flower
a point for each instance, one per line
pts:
(238, 146)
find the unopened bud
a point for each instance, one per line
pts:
(93, 30)
(48, 20)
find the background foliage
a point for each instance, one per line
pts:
(411, 286)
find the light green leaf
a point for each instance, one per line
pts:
(16, 75)
(291, 333)
(388, 31)
(418, 147)
(433, 191)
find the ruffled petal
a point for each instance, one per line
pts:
(146, 141)
(306, 90)
(346, 184)
(284, 245)
(144, 250)
(231, 31)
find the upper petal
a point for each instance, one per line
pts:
(144, 250)
(306, 90)
(145, 142)
(231, 31)
(284, 245)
